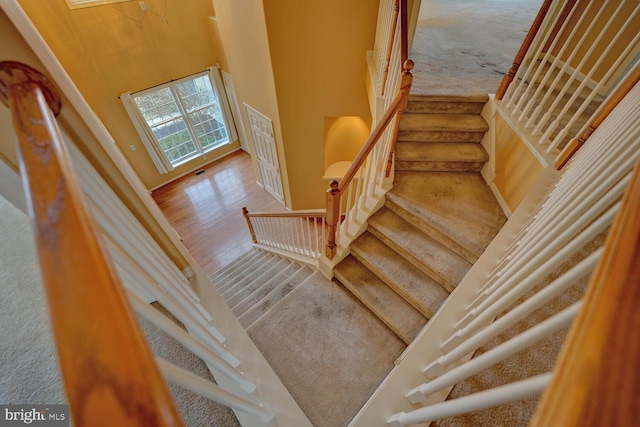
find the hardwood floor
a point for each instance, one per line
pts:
(206, 209)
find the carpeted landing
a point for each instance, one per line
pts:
(326, 347)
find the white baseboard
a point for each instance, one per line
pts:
(500, 199)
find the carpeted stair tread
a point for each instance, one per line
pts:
(440, 156)
(266, 287)
(327, 349)
(221, 277)
(414, 286)
(272, 298)
(446, 104)
(253, 270)
(239, 271)
(270, 270)
(426, 254)
(444, 122)
(391, 308)
(430, 198)
(426, 227)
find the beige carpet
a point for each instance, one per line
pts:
(30, 373)
(327, 349)
(464, 47)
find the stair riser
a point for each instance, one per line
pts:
(432, 232)
(242, 275)
(354, 290)
(435, 107)
(426, 312)
(439, 136)
(413, 260)
(443, 166)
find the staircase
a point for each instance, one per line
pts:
(436, 221)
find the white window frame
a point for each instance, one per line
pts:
(156, 151)
(77, 4)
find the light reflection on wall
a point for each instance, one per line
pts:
(344, 137)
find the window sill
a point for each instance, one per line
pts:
(196, 155)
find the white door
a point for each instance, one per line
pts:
(264, 145)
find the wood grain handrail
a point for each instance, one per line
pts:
(313, 213)
(526, 44)
(108, 370)
(399, 101)
(336, 188)
(597, 378)
(572, 147)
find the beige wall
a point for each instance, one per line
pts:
(14, 48)
(517, 168)
(106, 54)
(243, 32)
(288, 60)
(344, 137)
(318, 54)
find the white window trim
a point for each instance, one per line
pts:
(157, 154)
(77, 4)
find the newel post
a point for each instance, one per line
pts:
(245, 213)
(333, 215)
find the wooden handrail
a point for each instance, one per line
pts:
(314, 213)
(109, 373)
(399, 101)
(596, 379)
(337, 188)
(611, 103)
(526, 44)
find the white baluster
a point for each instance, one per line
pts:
(242, 402)
(481, 400)
(529, 102)
(495, 355)
(195, 346)
(578, 69)
(475, 340)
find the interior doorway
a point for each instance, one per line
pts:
(265, 153)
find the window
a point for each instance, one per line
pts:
(186, 118)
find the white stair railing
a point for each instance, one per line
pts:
(579, 53)
(300, 235)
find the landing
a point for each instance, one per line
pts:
(466, 46)
(327, 349)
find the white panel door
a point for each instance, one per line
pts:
(264, 145)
